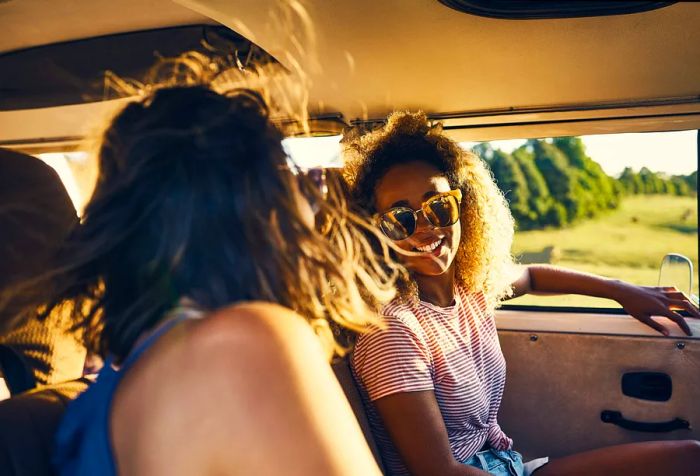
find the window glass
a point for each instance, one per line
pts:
(612, 205)
(313, 152)
(4, 391)
(78, 170)
(78, 173)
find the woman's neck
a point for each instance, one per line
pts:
(437, 290)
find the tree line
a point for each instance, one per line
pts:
(553, 183)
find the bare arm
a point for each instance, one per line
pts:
(641, 302)
(544, 279)
(416, 427)
(245, 391)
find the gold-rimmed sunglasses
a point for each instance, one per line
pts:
(441, 210)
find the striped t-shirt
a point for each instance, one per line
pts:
(453, 351)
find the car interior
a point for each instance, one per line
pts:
(578, 378)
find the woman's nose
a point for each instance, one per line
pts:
(422, 222)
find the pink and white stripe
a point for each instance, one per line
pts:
(452, 351)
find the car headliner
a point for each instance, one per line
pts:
(376, 56)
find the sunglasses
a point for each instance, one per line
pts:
(441, 210)
(317, 177)
(311, 182)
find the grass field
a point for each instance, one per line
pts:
(628, 243)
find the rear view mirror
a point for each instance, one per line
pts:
(677, 271)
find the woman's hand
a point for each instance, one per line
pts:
(643, 302)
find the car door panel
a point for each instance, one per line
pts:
(560, 382)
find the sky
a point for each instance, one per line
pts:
(674, 153)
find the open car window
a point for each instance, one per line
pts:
(78, 169)
(611, 205)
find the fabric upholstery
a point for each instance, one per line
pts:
(27, 426)
(36, 214)
(341, 368)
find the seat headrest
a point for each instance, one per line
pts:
(36, 214)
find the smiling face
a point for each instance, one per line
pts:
(409, 185)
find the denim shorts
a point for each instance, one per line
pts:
(504, 463)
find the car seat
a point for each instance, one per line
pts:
(341, 368)
(35, 216)
(27, 426)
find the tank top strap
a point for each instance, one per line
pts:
(82, 444)
(176, 316)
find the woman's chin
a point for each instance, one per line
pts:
(433, 268)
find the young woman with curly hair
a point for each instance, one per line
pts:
(433, 377)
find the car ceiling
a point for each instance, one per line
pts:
(422, 54)
(27, 23)
(372, 57)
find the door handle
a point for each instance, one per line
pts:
(616, 418)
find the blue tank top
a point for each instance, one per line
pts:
(82, 445)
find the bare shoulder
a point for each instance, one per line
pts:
(253, 338)
(266, 323)
(211, 382)
(249, 339)
(266, 333)
(241, 379)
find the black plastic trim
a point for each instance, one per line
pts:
(519, 10)
(616, 418)
(651, 386)
(73, 72)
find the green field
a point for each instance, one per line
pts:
(628, 243)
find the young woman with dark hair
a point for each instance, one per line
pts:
(433, 378)
(198, 273)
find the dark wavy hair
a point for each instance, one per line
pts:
(484, 262)
(195, 198)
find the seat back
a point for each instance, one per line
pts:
(37, 215)
(28, 423)
(341, 368)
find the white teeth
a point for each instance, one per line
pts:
(429, 247)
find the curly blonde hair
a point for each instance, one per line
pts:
(484, 261)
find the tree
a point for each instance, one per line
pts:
(484, 150)
(681, 185)
(631, 181)
(692, 181)
(598, 186)
(560, 178)
(511, 180)
(540, 200)
(652, 182)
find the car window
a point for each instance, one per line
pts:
(78, 170)
(612, 205)
(4, 391)
(313, 152)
